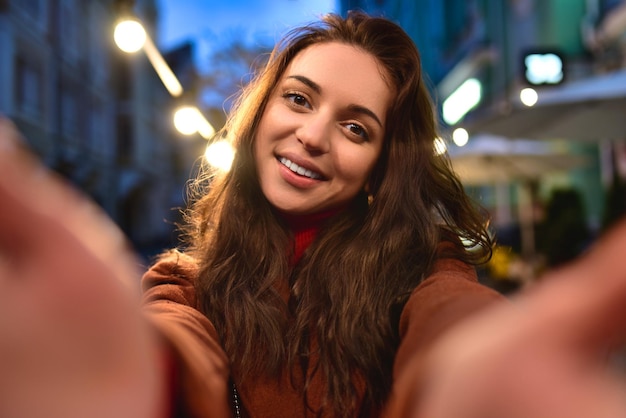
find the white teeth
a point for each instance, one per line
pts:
(299, 170)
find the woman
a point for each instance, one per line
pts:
(304, 255)
(325, 275)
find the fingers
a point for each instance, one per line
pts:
(40, 212)
(543, 355)
(587, 299)
(59, 251)
(71, 337)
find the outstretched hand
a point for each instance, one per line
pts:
(73, 344)
(72, 341)
(545, 355)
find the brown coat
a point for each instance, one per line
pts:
(450, 294)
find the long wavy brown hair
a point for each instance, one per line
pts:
(352, 282)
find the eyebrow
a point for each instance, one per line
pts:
(354, 107)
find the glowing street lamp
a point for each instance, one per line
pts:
(528, 96)
(460, 137)
(220, 154)
(130, 36)
(188, 120)
(185, 120)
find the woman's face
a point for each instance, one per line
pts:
(322, 130)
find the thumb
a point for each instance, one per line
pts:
(589, 295)
(41, 212)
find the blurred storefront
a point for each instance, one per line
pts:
(569, 58)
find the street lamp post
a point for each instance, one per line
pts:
(130, 36)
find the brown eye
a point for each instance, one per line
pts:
(297, 99)
(358, 130)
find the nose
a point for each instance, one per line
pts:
(314, 133)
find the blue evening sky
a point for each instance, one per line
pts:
(207, 21)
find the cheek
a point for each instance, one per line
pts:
(272, 127)
(262, 138)
(356, 167)
(257, 149)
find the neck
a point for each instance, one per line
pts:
(299, 222)
(305, 229)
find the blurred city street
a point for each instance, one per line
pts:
(531, 97)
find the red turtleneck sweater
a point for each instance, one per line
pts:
(305, 229)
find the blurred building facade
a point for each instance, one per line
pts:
(92, 113)
(487, 40)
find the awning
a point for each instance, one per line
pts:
(489, 160)
(589, 109)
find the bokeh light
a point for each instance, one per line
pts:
(129, 36)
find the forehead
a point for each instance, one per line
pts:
(346, 71)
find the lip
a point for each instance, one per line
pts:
(304, 163)
(297, 180)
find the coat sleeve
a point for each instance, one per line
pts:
(199, 364)
(449, 295)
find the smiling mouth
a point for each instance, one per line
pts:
(299, 170)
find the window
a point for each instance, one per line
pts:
(35, 11)
(124, 134)
(32, 8)
(98, 46)
(96, 128)
(69, 114)
(69, 33)
(28, 89)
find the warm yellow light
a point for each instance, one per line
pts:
(189, 120)
(528, 96)
(129, 35)
(460, 137)
(165, 73)
(440, 146)
(186, 120)
(204, 126)
(220, 154)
